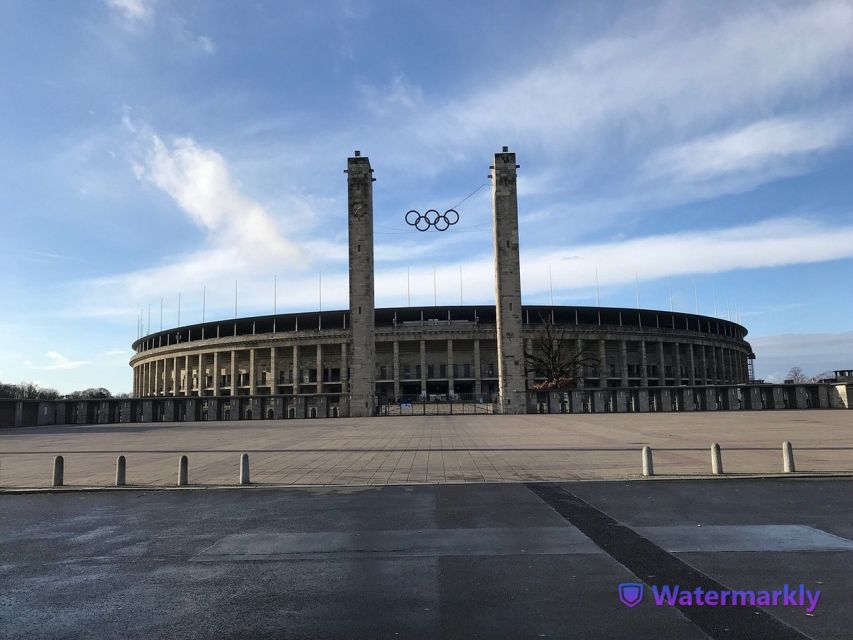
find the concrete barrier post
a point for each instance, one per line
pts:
(788, 457)
(183, 471)
(648, 465)
(716, 460)
(244, 469)
(58, 471)
(121, 471)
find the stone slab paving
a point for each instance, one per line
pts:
(431, 449)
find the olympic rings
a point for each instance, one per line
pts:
(432, 218)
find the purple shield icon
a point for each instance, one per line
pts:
(631, 593)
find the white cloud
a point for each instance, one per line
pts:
(765, 145)
(199, 181)
(671, 79)
(58, 362)
(132, 12)
(399, 96)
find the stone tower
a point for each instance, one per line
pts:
(511, 378)
(361, 299)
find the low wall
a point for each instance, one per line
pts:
(25, 413)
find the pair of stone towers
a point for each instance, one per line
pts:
(510, 343)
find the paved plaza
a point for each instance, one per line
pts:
(431, 449)
(468, 561)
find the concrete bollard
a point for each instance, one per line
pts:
(788, 457)
(716, 460)
(121, 471)
(58, 471)
(244, 469)
(183, 471)
(648, 465)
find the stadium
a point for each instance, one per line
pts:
(363, 361)
(438, 354)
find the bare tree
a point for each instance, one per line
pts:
(797, 376)
(823, 375)
(555, 357)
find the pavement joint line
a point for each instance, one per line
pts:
(260, 486)
(645, 559)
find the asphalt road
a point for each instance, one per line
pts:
(452, 561)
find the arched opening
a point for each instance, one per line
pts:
(312, 412)
(291, 412)
(270, 414)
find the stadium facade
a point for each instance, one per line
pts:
(364, 361)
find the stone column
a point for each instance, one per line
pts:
(199, 376)
(423, 368)
(644, 374)
(715, 369)
(677, 364)
(602, 366)
(253, 389)
(513, 398)
(478, 378)
(396, 365)
(319, 365)
(156, 377)
(450, 376)
(188, 378)
(361, 289)
(344, 367)
(165, 374)
(233, 374)
(704, 365)
(623, 346)
(273, 372)
(295, 369)
(176, 377)
(692, 364)
(662, 365)
(217, 378)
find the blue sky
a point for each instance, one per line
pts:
(152, 147)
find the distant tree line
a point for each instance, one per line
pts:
(798, 376)
(31, 391)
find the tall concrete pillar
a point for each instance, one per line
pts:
(512, 396)
(361, 290)
(156, 377)
(233, 374)
(715, 366)
(644, 372)
(677, 364)
(319, 366)
(188, 378)
(273, 382)
(295, 369)
(692, 363)
(345, 367)
(423, 368)
(200, 376)
(253, 389)
(396, 364)
(704, 365)
(450, 376)
(602, 364)
(478, 377)
(661, 365)
(623, 349)
(176, 377)
(217, 377)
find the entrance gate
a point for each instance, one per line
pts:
(438, 405)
